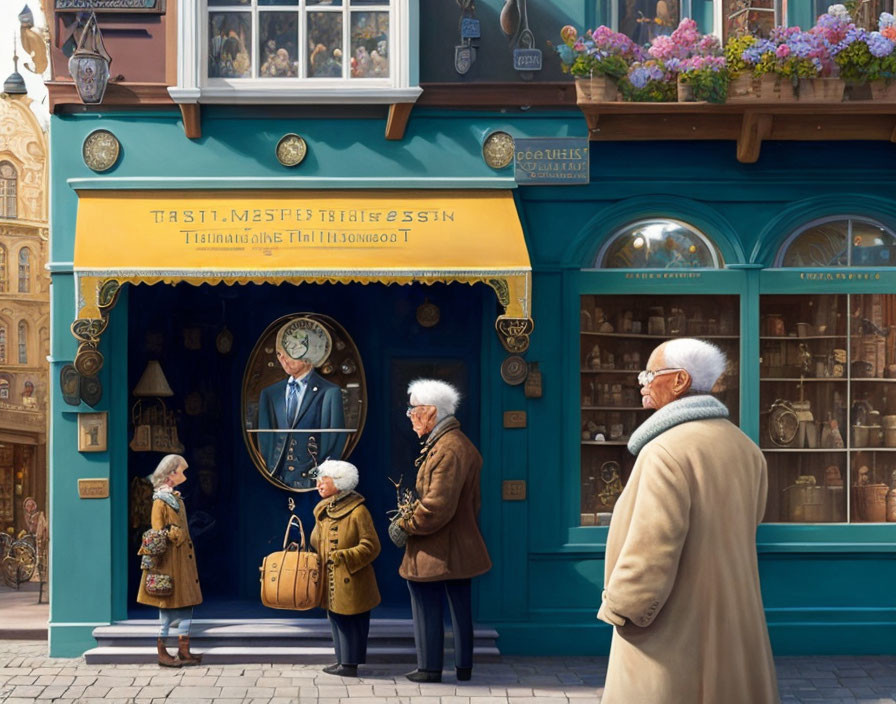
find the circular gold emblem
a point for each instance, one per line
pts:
(498, 150)
(100, 150)
(305, 338)
(291, 150)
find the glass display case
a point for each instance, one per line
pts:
(828, 407)
(617, 335)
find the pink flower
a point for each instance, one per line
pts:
(783, 51)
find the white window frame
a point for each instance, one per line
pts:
(194, 86)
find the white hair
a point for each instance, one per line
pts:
(703, 361)
(433, 392)
(344, 474)
(167, 466)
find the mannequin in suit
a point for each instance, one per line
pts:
(317, 404)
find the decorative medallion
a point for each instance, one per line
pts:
(291, 150)
(70, 385)
(91, 390)
(514, 333)
(100, 150)
(428, 314)
(88, 360)
(514, 370)
(305, 338)
(497, 150)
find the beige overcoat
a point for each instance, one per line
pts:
(444, 541)
(346, 526)
(681, 579)
(178, 560)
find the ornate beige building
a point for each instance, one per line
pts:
(24, 305)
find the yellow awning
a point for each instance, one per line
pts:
(299, 236)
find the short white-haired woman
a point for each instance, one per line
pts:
(178, 561)
(347, 543)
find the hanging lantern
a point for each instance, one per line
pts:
(89, 64)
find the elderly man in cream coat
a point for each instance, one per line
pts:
(681, 584)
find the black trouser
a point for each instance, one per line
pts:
(350, 637)
(429, 628)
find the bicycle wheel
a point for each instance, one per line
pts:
(25, 557)
(5, 542)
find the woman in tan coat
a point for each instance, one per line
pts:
(681, 583)
(347, 543)
(178, 561)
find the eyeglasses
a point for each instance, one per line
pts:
(413, 409)
(646, 377)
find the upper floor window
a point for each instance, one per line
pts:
(841, 240)
(659, 244)
(8, 184)
(2, 342)
(4, 389)
(24, 270)
(2, 268)
(275, 51)
(23, 342)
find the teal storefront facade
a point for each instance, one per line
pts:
(826, 565)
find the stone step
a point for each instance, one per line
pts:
(307, 641)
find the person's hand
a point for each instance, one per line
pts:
(176, 536)
(336, 557)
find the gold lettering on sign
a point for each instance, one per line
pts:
(93, 488)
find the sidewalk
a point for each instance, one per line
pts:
(27, 675)
(21, 617)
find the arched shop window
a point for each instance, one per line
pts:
(622, 319)
(659, 244)
(837, 241)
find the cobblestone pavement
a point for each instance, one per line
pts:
(27, 675)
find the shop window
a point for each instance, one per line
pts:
(297, 50)
(23, 342)
(617, 335)
(8, 188)
(839, 241)
(828, 406)
(659, 244)
(24, 270)
(3, 268)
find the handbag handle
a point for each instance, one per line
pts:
(292, 520)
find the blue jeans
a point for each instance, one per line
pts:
(179, 619)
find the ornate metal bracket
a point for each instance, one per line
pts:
(88, 330)
(514, 333)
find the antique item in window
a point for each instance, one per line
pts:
(100, 150)
(889, 429)
(803, 329)
(92, 432)
(774, 325)
(594, 357)
(870, 502)
(497, 150)
(428, 314)
(806, 501)
(807, 434)
(601, 324)
(830, 434)
(585, 324)
(291, 150)
(677, 323)
(610, 484)
(783, 423)
(155, 427)
(656, 322)
(224, 341)
(514, 370)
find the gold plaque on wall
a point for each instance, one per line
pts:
(93, 488)
(92, 432)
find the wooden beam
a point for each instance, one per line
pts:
(893, 134)
(118, 94)
(397, 122)
(192, 126)
(462, 94)
(755, 127)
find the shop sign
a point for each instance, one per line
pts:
(527, 59)
(93, 488)
(154, 6)
(664, 275)
(551, 161)
(839, 276)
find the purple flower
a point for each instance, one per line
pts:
(879, 45)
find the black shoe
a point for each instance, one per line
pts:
(424, 676)
(464, 674)
(342, 670)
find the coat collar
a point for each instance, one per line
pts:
(339, 505)
(444, 426)
(168, 495)
(683, 410)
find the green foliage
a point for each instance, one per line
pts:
(734, 50)
(793, 67)
(859, 65)
(652, 92)
(586, 65)
(708, 85)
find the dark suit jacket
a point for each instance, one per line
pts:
(286, 454)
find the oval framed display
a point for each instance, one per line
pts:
(100, 150)
(289, 431)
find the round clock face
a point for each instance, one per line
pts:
(304, 338)
(291, 150)
(498, 150)
(100, 150)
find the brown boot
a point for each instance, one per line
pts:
(165, 660)
(183, 652)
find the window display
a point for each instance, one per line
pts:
(617, 335)
(828, 406)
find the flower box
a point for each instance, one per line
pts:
(883, 91)
(767, 88)
(821, 90)
(685, 92)
(596, 89)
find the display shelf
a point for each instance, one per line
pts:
(874, 379)
(873, 449)
(644, 336)
(805, 449)
(797, 338)
(610, 371)
(803, 378)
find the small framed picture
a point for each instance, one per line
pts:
(92, 432)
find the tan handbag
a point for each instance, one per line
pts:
(292, 577)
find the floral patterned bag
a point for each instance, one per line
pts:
(152, 544)
(159, 584)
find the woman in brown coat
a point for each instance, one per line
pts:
(445, 549)
(178, 561)
(347, 543)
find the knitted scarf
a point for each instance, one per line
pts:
(167, 494)
(683, 410)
